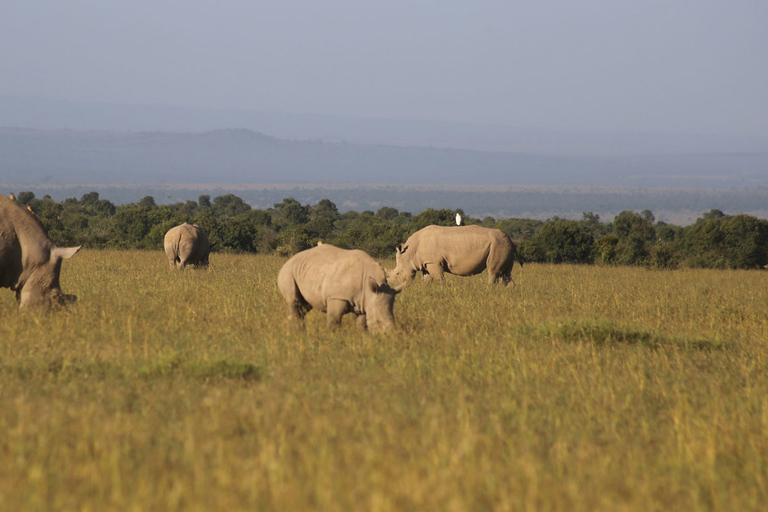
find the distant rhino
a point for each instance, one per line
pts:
(186, 244)
(337, 281)
(459, 250)
(30, 264)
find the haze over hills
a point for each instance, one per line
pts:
(53, 114)
(245, 156)
(46, 144)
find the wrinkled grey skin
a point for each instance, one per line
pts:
(337, 281)
(186, 244)
(30, 264)
(459, 250)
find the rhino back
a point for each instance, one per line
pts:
(327, 272)
(463, 250)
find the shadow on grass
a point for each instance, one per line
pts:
(203, 370)
(607, 333)
(63, 370)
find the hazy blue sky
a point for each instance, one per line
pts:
(696, 66)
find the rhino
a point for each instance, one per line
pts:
(187, 244)
(459, 250)
(30, 264)
(337, 281)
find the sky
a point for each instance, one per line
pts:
(681, 66)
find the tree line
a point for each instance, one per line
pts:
(715, 240)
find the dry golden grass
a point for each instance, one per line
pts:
(582, 388)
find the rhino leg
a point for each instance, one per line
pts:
(362, 322)
(433, 271)
(297, 310)
(335, 310)
(495, 277)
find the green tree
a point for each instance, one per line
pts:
(289, 212)
(723, 241)
(562, 241)
(431, 217)
(147, 202)
(25, 197)
(229, 205)
(635, 236)
(387, 213)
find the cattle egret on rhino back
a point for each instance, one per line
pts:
(458, 219)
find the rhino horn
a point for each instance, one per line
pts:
(402, 286)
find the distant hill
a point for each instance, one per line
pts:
(55, 114)
(247, 156)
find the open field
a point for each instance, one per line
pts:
(582, 388)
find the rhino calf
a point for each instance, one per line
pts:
(459, 250)
(337, 281)
(30, 264)
(186, 244)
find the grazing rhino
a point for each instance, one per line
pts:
(30, 264)
(187, 244)
(337, 281)
(459, 250)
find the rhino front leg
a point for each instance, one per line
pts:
(335, 310)
(362, 322)
(433, 271)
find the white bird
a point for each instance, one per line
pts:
(458, 219)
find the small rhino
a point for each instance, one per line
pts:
(30, 264)
(187, 244)
(337, 281)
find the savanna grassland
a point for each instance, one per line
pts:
(582, 388)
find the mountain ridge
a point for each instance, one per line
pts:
(242, 155)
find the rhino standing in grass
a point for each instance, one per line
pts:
(337, 281)
(186, 244)
(30, 264)
(459, 250)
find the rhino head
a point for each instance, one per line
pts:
(40, 287)
(379, 304)
(404, 268)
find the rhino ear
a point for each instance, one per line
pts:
(401, 248)
(64, 252)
